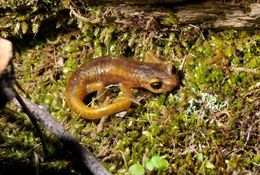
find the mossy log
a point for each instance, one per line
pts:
(135, 1)
(220, 15)
(34, 18)
(206, 14)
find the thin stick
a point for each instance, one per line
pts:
(34, 122)
(86, 158)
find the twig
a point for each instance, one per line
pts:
(197, 28)
(82, 18)
(21, 89)
(33, 120)
(243, 69)
(249, 131)
(51, 124)
(123, 156)
(37, 164)
(181, 67)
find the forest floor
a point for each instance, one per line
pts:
(209, 124)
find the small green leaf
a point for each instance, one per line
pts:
(71, 49)
(199, 157)
(35, 28)
(24, 27)
(17, 28)
(159, 162)
(149, 165)
(136, 169)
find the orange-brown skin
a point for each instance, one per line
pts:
(152, 74)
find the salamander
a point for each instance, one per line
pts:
(152, 74)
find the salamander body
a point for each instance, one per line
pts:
(94, 76)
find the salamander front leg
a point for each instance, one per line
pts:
(126, 89)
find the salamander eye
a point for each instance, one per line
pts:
(156, 85)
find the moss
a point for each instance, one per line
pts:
(208, 125)
(20, 18)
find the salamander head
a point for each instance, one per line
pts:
(160, 79)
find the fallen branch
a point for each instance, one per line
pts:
(91, 2)
(7, 82)
(51, 124)
(205, 14)
(33, 120)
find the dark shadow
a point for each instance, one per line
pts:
(46, 31)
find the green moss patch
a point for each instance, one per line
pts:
(208, 125)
